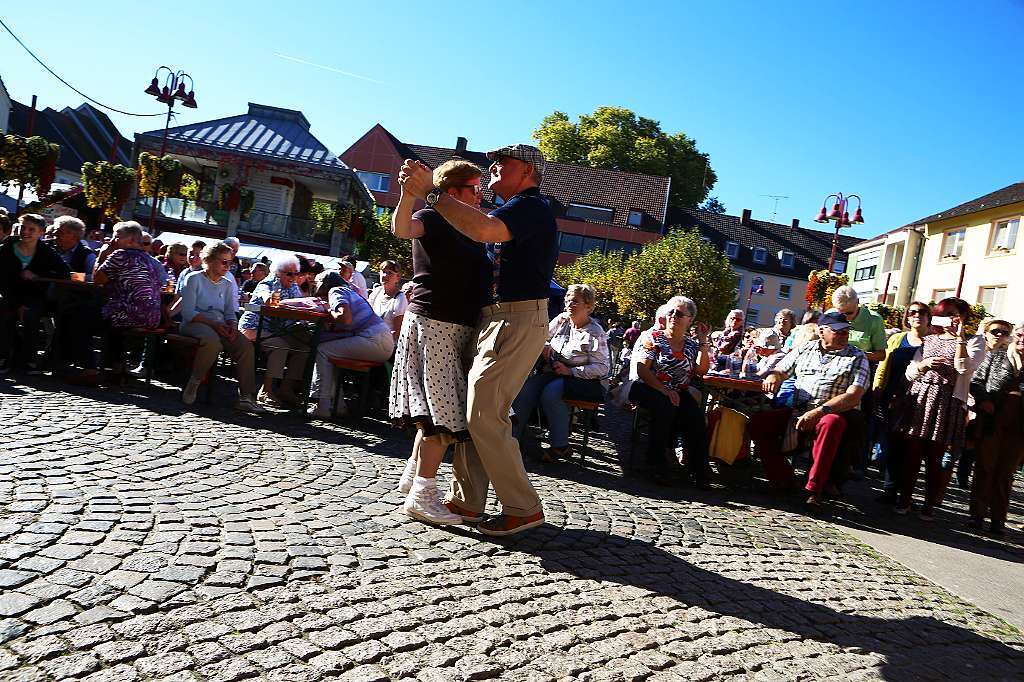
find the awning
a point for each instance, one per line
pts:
(258, 251)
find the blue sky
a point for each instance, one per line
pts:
(912, 105)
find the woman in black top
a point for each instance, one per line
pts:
(428, 385)
(23, 258)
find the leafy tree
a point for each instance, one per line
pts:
(678, 264)
(616, 138)
(599, 270)
(379, 244)
(713, 204)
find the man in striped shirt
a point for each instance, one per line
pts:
(831, 377)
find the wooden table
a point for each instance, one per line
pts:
(315, 317)
(718, 387)
(70, 283)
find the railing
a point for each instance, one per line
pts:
(181, 209)
(288, 227)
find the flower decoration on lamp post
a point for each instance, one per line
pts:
(173, 90)
(841, 215)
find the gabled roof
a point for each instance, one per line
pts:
(1010, 194)
(84, 133)
(264, 131)
(569, 184)
(811, 248)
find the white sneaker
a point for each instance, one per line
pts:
(249, 405)
(319, 412)
(188, 395)
(424, 504)
(405, 482)
(138, 372)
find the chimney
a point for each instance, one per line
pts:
(460, 145)
(745, 218)
(795, 224)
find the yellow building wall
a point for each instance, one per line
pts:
(770, 303)
(981, 267)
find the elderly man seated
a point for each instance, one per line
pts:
(831, 376)
(71, 247)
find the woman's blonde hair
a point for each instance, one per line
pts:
(1011, 351)
(586, 292)
(177, 247)
(211, 251)
(804, 333)
(455, 172)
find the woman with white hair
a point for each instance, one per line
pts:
(730, 337)
(286, 342)
(575, 363)
(667, 362)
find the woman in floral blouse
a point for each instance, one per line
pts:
(575, 364)
(668, 361)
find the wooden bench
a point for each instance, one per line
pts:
(589, 409)
(360, 368)
(150, 337)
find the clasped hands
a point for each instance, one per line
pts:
(416, 178)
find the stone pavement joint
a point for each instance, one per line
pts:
(141, 541)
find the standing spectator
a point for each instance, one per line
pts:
(997, 388)
(891, 386)
(935, 418)
(209, 301)
(831, 376)
(355, 277)
(387, 299)
(997, 335)
(732, 334)
(666, 362)
(512, 331)
(428, 384)
(630, 336)
(785, 320)
(285, 342)
(575, 365)
(23, 258)
(71, 247)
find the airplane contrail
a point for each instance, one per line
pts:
(328, 68)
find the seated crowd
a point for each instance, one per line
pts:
(837, 385)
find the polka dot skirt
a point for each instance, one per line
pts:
(428, 385)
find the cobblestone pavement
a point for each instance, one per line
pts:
(142, 541)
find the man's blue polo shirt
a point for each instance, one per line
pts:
(528, 260)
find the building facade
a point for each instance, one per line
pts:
(884, 269)
(596, 209)
(975, 249)
(772, 261)
(5, 108)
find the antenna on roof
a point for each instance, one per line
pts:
(775, 210)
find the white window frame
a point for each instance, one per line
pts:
(958, 246)
(945, 293)
(375, 176)
(734, 248)
(752, 314)
(760, 255)
(998, 298)
(1009, 245)
(787, 259)
(789, 291)
(638, 215)
(839, 270)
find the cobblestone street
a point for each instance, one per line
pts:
(140, 540)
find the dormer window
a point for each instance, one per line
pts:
(377, 182)
(732, 250)
(595, 214)
(635, 219)
(787, 259)
(760, 255)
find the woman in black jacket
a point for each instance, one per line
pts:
(996, 387)
(23, 258)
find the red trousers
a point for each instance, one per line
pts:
(767, 429)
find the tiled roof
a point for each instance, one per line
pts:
(263, 131)
(569, 184)
(811, 248)
(1010, 194)
(83, 133)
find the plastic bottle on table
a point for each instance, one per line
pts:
(275, 299)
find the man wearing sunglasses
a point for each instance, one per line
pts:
(511, 332)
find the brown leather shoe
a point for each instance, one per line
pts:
(506, 524)
(467, 516)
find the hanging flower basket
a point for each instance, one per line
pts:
(247, 202)
(820, 286)
(107, 185)
(28, 161)
(165, 173)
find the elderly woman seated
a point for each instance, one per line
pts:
(286, 342)
(575, 365)
(356, 333)
(666, 362)
(209, 303)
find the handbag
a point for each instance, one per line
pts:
(588, 390)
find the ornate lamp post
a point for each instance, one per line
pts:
(173, 90)
(841, 215)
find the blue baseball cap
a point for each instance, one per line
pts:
(834, 320)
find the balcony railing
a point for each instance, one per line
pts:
(288, 227)
(181, 209)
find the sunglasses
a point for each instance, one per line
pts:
(477, 189)
(225, 262)
(290, 273)
(678, 313)
(916, 311)
(999, 332)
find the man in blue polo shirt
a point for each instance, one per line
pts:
(511, 332)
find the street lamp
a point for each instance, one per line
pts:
(841, 215)
(173, 90)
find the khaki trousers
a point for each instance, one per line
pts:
(510, 338)
(285, 351)
(997, 457)
(211, 344)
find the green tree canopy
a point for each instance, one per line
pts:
(603, 272)
(616, 138)
(378, 244)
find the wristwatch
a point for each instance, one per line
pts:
(826, 409)
(433, 196)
